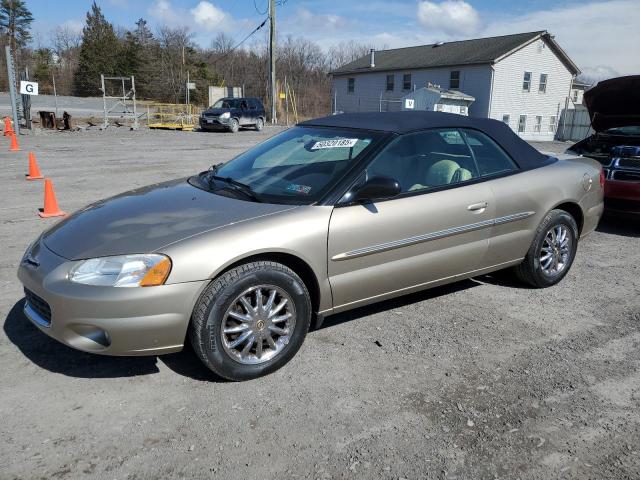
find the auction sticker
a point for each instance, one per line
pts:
(338, 143)
(294, 187)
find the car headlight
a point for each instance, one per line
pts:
(225, 115)
(123, 271)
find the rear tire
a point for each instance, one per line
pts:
(552, 252)
(232, 306)
(233, 125)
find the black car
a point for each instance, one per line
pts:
(233, 113)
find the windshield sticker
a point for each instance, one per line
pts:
(294, 187)
(339, 143)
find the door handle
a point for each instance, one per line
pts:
(477, 207)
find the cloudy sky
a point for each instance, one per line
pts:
(602, 37)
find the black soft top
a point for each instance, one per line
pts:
(524, 154)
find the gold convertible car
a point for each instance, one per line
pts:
(330, 215)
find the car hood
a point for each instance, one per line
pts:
(217, 111)
(614, 103)
(146, 219)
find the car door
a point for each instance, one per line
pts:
(435, 229)
(515, 199)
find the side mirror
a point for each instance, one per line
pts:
(377, 187)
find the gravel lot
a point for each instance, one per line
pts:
(480, 379)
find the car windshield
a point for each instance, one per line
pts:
(297, 166)
(226, 103)
(630, 130)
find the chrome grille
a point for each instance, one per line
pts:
(40, 306)
(629, 162)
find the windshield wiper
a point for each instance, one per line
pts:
(239, 186)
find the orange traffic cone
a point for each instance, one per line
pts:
(8, 128)
(51, 208)
(14, 143)
(34, 170)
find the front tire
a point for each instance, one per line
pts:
(251, 320)
(259, 124)
(552, 252)
(233, 125)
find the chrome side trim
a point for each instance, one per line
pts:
(34, 316)
(405, 242)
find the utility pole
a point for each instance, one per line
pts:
(272, 58)
(11, 74)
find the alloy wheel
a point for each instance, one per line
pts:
(555, 253)
(258, 324)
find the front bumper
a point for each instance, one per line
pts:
(622, 197)
(214, 123)
(105, 320)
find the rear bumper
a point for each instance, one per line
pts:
(106, 320)
(622, 197)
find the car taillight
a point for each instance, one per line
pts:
(602, 178)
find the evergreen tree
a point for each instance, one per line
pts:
(44, 64)
(99, 53)
(15, 22)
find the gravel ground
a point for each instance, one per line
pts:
(480, 379)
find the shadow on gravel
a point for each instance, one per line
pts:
(52, 355)
(626, 227)
(398, 302)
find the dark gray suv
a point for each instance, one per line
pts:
(233, 113)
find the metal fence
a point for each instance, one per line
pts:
(574, 124)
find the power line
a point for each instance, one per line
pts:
(255, 5)
(264, 22)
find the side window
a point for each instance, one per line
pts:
(526, 82)
(406, 81)
(489, 157)
(425, 160)
(454, 79)
(351, 85)
(390, 81)
(252, 104)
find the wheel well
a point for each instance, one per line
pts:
(302, 269)
(575, 211)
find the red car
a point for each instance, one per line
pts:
(614, 108)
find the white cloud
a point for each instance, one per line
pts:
(305, 22)
(72, 25)
(603, 35)
(163, 11)
(208, 16)
(452, 17)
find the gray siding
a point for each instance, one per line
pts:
(474, 80)
(510, 99)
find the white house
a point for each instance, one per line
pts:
(522, 79)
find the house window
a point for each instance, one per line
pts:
(537, 127)
(439, 107)
(522, 123)
(463, 110)
(575, 96)
(406, 81)
(390, 79)
(454, 79)
(552, 123)
(526, 82)
(542, 88)
(505, 119)
(351, 85)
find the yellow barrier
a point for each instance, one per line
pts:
(172, 116)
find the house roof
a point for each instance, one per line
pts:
(464, 52)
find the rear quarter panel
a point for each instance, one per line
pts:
(573, 180)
